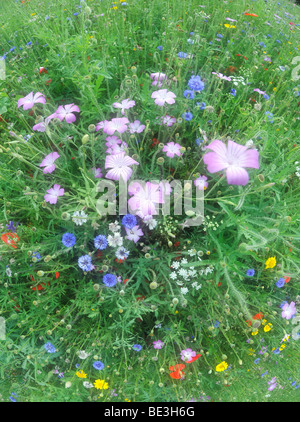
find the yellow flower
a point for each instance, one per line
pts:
(267, 328)
(264, 321)
(251, 351)
(222, 366)
(228, 26)
(270, 262)
(282, 347)
(81, 374)
(101, 384)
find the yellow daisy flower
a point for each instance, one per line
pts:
(222, 366)
(81, 374)
(101, 384)
(270, 262)
(254, 332)
(267, 327)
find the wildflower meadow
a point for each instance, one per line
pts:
(149, 201)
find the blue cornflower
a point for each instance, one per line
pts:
(29, 43)
(220, 35)
(280, 282)
(195, 83)
(129, 221)
(187, 116)
(109, 280)
(216, 324)
(233, 92)
(256, 361)
(98, 365)
(182, 55)
(137, 347)
(266, 97)
(13, 398)
(189, 94)
(68, 240)
(201, 106)
(77, 365)
(269, 116)
(278, 41)
(75, 14)
(262, 44)
(191, 33)
(11, 226)
(49, 347)
(250, 272)
(36, 255)
(100, 242)
(85, 263)
(199, 141)
(160, 47)
(12, 49)
(277, 351)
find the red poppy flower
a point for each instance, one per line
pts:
(178, 373)
(41, 286)
(193, 359)
(250, 14)
(126, 279)
(9, 239)
(287, 279)
(49, 82)
(258, 316)
(140, 298)
(43, 70)
(56, 274)
(176, 244)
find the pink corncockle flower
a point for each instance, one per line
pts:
(145, 198)
(172, 149)
(115, 125)
(201, 183)
(112, 140)
(136, 127)
(272, 386)
(233, 159)
(53, 194)
(116, 149)
(96, 172)
(157, 79)
(66, 112)
(120, 166)
(259, 91)
(124, 105)
(165, 187)
(231, 20)
(288, 310)
(48, 162)
(221, 76)
(134, 234)
(30, 99)
(163, 96)
(158, 344)
(100, 125)
(168, 120)
(42, 126)
(187, 354)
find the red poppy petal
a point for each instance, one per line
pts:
(193, 359)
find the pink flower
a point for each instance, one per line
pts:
(30, 99)
(144, 199)
(136, 127)
(112, 140)
(53, 194)
(168, 120)
(120, 166)
(163, 96)
(231, 20)
(134, 234)
(259, 91)
(201, 183)
(100, 125)
(233, 158)
(172, 149)
(42, 126)
(96, 172)
(221, 76)
(187, 354)
(157, 78)
(124, 105)
(288, 310)
(158, 344)
(115, 125)
(66, 112)
(48, 162)
(116, 149)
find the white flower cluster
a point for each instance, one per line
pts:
(297, 173)
(116, 240)
(183, 275)
(79, 217)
